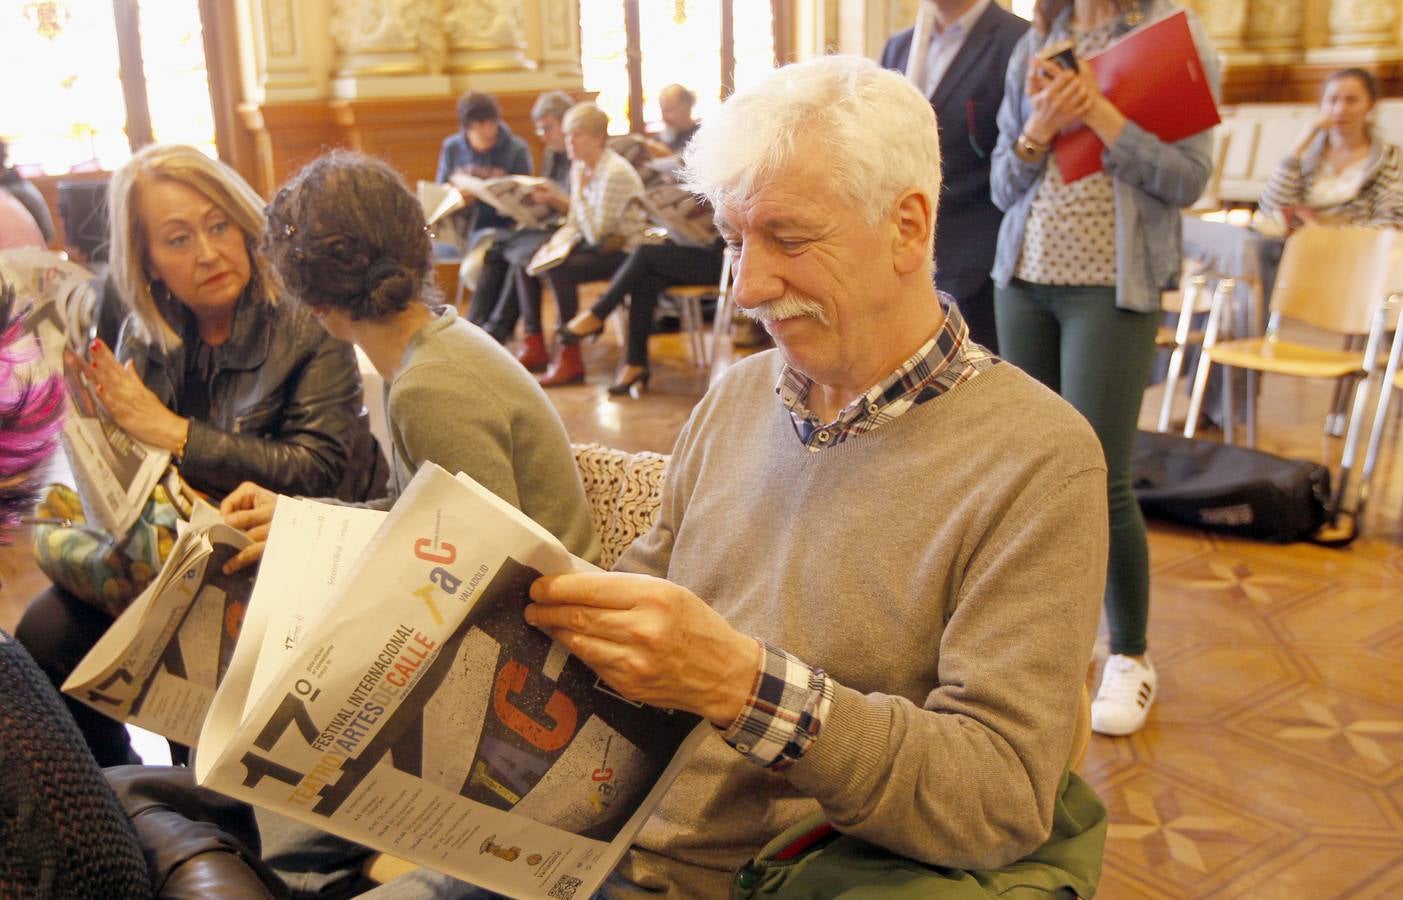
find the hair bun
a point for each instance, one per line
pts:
(381, 269)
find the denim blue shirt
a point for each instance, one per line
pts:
(1153, 180)
(509, 154)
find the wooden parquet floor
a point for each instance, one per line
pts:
(1272, 765)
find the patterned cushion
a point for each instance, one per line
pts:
(624, 491)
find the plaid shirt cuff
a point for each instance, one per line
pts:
(785, 712)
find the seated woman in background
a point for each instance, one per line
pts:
(349, 240)
(602, 227)
(1339, 172)
(212, 367)
(649, 270)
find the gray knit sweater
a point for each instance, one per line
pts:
(946, 569)
(461, 401)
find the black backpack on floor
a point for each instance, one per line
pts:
(1234, 490)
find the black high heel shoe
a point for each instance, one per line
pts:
(566, 336)
(633, 387)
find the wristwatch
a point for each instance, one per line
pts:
(1029, 150)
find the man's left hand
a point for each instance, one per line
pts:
(652, 641)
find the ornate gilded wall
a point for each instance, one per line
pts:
(383, 75)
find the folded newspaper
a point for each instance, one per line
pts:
(113, 472)
(387, 689)
(510, 195)
(159, 663)
(653, 160)
(687, 219)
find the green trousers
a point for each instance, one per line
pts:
(1098, 358)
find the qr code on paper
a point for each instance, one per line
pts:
(565, 888)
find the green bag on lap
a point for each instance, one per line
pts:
(812, 862)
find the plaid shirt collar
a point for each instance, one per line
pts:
(948, 359)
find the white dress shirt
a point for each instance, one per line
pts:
(943, 46)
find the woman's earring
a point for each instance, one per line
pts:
(159, 292)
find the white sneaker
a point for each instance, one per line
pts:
(1123, 700)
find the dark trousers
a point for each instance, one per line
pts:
(1098, 357)
(58, 630)
(503, 288)
(583, 264)
(649, 270)
(490, 282)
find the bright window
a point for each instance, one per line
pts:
(177, 84)
(680, 42)
(604, 58)
(64, 109)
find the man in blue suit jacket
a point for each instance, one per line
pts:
(966, 61)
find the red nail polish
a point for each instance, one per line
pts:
(97, 342)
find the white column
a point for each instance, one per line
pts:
(282, 55)
(815, 27)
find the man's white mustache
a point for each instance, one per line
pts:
(790, 306)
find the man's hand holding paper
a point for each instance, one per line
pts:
(653, 641)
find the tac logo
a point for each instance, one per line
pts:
(430, 550)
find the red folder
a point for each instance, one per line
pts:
(1154, 77)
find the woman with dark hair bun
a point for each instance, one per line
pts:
(350, 243)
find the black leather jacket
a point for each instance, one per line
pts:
(285, 407)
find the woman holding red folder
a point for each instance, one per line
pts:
(1078, 274)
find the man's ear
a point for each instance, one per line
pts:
(912, 220)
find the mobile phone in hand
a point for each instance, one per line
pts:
(1063, 53)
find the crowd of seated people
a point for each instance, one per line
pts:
(610, 246)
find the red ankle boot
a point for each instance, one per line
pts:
(533, 354)
(568, 368)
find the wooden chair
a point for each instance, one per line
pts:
(1334, 280)
(688, 298)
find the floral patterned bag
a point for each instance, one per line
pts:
(105, 570)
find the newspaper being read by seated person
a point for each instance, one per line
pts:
(651, 268)
(879, 559)
(212, 367)
(484, 148)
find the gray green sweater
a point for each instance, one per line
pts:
(945, 569)
(461, 401)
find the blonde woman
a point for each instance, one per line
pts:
(212, 367)
(603, 222)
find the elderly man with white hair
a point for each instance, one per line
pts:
(881, 551)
